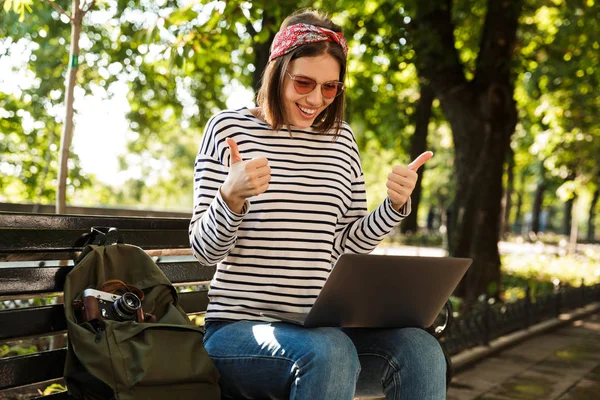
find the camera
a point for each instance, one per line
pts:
(103, 305)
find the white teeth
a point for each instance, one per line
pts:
(307, 110)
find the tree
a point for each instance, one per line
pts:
(508, 193)
(483, 115)
(78, 11)
(591, 227)
(559, 97)
(30, 125)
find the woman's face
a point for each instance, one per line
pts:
(302, 109)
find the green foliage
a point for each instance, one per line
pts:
(22, 303)
(559, 134)
(16, 350)
(470, 17)
(515, 286)
(54, 388)
(197, 319)
(18, 7)
(419, 239)
(29, 122)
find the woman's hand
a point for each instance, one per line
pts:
(245, 179)
(402, 180)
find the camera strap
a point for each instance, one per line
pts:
(119, 287)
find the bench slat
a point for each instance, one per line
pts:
(180, 272)
(194, 302)
(33, 368)
(32, 321)
(64, 240)
(36, 280)
(56, 396)
(32, 280)
(84, 222)
(59, 233)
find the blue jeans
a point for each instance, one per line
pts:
(260, 360)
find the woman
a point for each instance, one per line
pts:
(279, 196)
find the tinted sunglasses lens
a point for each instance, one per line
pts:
(331, 89)
(304, 85)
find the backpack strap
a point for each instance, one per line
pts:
(105, 235)
(98, 235)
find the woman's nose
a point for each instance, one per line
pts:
(315, 98)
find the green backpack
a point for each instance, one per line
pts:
(121, 358)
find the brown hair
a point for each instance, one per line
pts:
(269, 94)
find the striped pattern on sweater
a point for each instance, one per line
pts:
(278, 253)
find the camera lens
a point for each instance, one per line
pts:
(126, 306)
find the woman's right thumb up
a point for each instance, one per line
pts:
(235, 152)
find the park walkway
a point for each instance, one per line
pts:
(560, 365)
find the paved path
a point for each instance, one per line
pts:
(560, 365)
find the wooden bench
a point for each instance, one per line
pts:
(36, 253)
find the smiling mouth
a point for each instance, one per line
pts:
(309, 112)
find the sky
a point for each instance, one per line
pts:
(101, 131)
(100, 135)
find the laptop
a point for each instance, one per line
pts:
(381, 291)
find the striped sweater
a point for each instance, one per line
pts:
(277, 254)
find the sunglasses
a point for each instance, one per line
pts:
(305, 85)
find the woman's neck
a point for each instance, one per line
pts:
(258, 113)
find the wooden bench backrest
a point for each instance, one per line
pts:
(36, 252)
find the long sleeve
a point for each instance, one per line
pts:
(213, 227)
(360, 232)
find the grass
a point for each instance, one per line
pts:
(540, 262)
(569, 269)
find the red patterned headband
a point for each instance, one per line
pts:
(299, 34)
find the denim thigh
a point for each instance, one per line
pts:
(405, 363)
(260, 360)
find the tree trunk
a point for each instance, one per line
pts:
(550, 219)
(507, 200)
(518, 218)
(477, 207)
(518, 223)
(430, 219)
(418, 145)
(537, 205)
(591, 228)
(483, 115)
(574, 228)
(67, 133)
(568, 216)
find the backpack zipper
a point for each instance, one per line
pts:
(99, 327)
